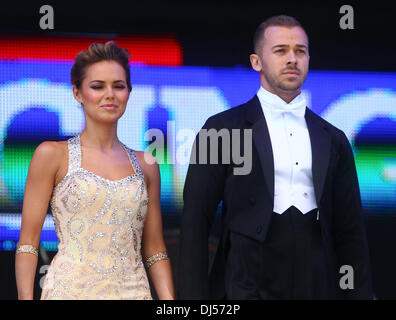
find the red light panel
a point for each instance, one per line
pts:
(148, 50)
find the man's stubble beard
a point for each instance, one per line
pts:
(289, 86)
(282, 85)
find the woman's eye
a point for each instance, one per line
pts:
(99, 87)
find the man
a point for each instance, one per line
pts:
(292, 227)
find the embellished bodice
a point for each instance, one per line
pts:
(99, 225)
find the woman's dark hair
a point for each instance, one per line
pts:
(100, 52)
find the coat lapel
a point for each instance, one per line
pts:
(320, 145)
(262, 141)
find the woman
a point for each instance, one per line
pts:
(104, 197)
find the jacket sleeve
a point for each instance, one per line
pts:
(203, 191)
(349, 227)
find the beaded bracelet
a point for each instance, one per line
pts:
(155, 258)
(26, 248)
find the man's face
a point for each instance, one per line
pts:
(283, 59)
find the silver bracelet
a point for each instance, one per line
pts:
(155, 258)
(26, 248)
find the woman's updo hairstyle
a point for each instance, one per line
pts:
(99, 52)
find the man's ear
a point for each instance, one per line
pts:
(255, 62)
(76, 94)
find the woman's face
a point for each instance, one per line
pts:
(104, 92)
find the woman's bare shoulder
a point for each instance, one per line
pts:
(145, 158)
(50, 153)
(51, 148)
(148, 163)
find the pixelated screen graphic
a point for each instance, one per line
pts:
(37, 104)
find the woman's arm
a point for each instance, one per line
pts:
(38, 190)
(153, 240)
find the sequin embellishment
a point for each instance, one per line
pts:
(99, 224)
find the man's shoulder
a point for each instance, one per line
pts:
(325, 123)
(335, 132)
(230, 117)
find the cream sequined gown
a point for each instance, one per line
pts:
(99, 225)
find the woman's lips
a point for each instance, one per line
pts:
(109, 106)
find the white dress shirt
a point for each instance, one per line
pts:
(291, 146)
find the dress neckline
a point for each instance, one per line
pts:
(78, 140)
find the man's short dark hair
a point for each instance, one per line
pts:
(279, 21)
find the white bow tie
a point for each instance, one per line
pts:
(297, 109)
(277, 106)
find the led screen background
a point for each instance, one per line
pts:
(37, 104)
